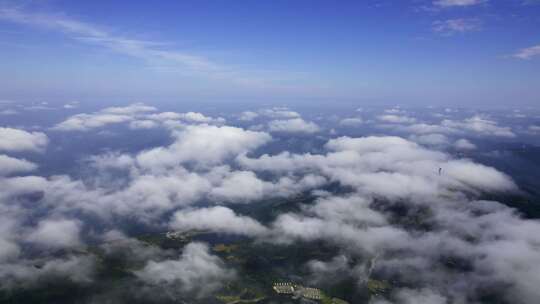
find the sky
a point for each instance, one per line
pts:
(443, 52)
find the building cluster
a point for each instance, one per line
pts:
(183, 236)
(311, 293)
(298, 291)
(285, 288)
(173, 234)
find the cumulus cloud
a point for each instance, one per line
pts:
(475, 125)
(9, 165)
(152, 182)
(431, 139)
(400, 173)
(248, 116)
(19, 185)
(534, 128)
(56, 233)
(107, 116)
(240, 186)
(148, 184)
(401, 212)
(397, 170)
(200, 118)
(464, 144)
(369, 239)
(77, 269)
(422, 128)
(394, 110)
(203, 144)
(354, 121)
(85, 122)
(71, 105)
(142, 124)
(165, 116)
(279, 113)
(175, 119)
(391, 118)
(480, 125)
(295, 125)
(218, 219)
(16, 140)
(412, 296)
(196, 270)
(131, 109)
(388, 166)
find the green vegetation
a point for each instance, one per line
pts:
(245, 296)
(377, 287)
(326, 299)
(223, 248)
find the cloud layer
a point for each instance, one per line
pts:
(395, 209)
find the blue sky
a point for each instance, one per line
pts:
(443, 52)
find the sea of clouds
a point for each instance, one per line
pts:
(401, 216)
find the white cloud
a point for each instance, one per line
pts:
(464, 144)
(142, 124)
(56, 233)
(248, 116)
(411, 296)
(460, 25)
(203, 144)
(218, 219)
(390, 167)
(85, 122)
(175, 120)
(200, 118)
(196, 270)
(107, 116)
(401, 174)
(15, 140)
(77, 269)
(295, 125)
(19, 185)
(457, 3)
(132, 109)
(394, 110)
(475, 125)
(163, 116)
(423, 128)
(399, 217)
(354, 121)
(396, 119)
(9, 165)
(370, 239)
(527, 53)
(480, 125)
(240, 186)
(71, 105)
(8, 112)
(281, 113)
(430, 139)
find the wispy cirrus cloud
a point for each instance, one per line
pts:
(90, 33)
(527, 53)
(457, 3)
(459, 25)
(154, 53)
